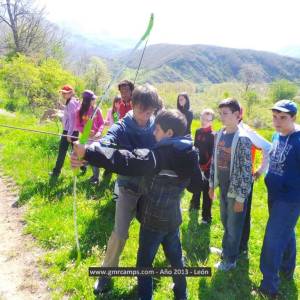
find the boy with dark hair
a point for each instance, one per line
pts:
(258, 143)
(283, 184)
(126, 88)
(167, 169)
(135, 130)
(231, 170)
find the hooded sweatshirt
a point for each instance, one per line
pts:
(127, 134)
(166, 170)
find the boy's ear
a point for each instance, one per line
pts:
(237, 114)
(170, 132)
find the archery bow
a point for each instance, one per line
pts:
(83, 138)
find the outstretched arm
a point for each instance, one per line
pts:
(138, 162)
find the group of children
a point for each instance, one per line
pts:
(157, 161)
(76, 115)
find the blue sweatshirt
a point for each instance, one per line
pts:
(283, 176)
(127, 134)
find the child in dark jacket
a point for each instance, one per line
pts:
(167, 170)
(204, 142)
(183, 105)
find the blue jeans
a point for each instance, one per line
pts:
(149, 242)
(247, 224)
(96, 172)
(279, 247)
(233, 227)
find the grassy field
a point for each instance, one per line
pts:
(28, 158)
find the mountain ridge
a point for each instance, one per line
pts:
(208, 63)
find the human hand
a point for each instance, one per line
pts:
(76, 162)
(92, 133)
(211, 194)
(69, 139)
(256, 175)
(238, 207)
(79, 150)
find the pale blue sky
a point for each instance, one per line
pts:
(256, 24)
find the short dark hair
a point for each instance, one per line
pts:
(126, 83)
(187, 102)
(292, 114)
(172, 119)
(146, 96)
(231, 103)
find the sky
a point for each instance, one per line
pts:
(256, 24)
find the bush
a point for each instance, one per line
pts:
(282, 89)
(10, 105)
(38, 81)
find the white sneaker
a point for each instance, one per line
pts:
(215, 250)
(225, 266)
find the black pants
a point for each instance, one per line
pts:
(206, 204)
(62, 151)
(246, 227)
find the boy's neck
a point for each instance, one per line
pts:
(205, 126)
(231, 129)
(288, 131)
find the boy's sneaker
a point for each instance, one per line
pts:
(53, 174)
(215, 250)
(225, 266)
(102, 285)
(262, 293)
(93, 180)
(206, 222)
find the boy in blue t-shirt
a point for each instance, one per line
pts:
(283, 184)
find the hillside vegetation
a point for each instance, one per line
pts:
(203, 63)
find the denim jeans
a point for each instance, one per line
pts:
(96, 172)
(279, 246)
(233, 226)
(149, 242)
(247, 224)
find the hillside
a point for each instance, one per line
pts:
(202, 63)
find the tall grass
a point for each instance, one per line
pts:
(29, 157)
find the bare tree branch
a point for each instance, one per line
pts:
(30, 31)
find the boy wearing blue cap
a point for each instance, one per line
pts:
(283, 184)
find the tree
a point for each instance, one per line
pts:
(97, 75)
(250, 98)
(26, 28)
(250, 74)
(282, 89)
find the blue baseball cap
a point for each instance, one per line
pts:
(285, 106)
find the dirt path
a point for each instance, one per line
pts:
(19, 276)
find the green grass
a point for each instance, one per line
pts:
(28, 158)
